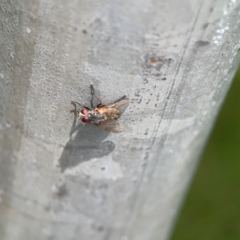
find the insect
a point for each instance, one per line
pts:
(104, 116)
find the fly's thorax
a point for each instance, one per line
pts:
(95, 117)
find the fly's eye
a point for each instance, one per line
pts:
(84, 111)
(85, 119)
(84, 115)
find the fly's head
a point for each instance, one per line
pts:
(91, 116)
(83, 115)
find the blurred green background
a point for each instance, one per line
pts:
(211, 209)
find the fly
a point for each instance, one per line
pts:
(104, 116)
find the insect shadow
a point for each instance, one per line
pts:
(86, 142)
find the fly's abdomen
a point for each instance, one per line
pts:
(111, 113)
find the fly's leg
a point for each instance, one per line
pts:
(93, 95)
(75, 102)
(75, 108)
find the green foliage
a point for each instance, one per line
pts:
(212, 207)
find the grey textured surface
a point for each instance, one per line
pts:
(61, 179)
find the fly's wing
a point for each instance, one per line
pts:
(111, 125)
(120, 104)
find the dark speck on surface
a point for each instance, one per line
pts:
(205, 25)
(202, 43)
